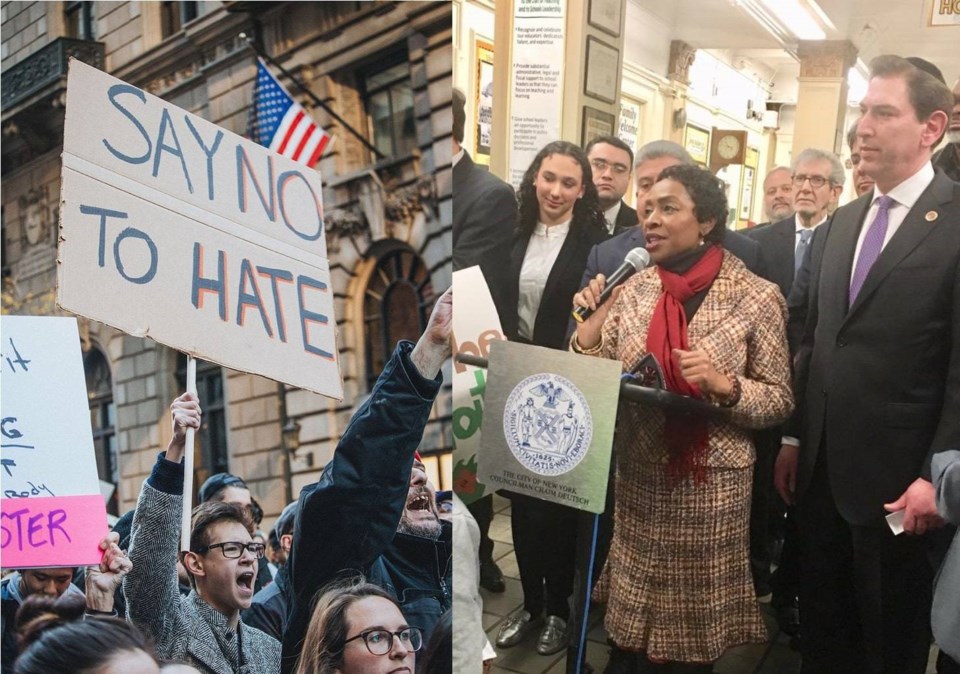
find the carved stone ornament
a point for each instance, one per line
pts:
(681, 58)
(826, 58)
(403, 204)
(34, 215)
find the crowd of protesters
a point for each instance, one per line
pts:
(364, 582)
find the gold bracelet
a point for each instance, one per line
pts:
(592, 351)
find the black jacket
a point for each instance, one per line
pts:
(419, 573)
(348, 520)
(562, 284)
(268, 611)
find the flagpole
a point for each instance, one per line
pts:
(312, 96)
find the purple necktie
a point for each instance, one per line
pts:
(872, 245)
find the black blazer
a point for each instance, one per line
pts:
(562, 284)
(778, 241)
(878, 382)
(626, 218)
(484, 215)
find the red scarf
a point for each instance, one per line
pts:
(685, 436)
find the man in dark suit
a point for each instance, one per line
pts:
(878, 388)
(611, 160)
(815, 181)
(484, 207)
(777, 195)
(484, 217)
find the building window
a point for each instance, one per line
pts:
(79, 20)
(103, 419)
(396, 306)
(211, 439)
(173, 16)
(388, 98)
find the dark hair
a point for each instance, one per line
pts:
(459, 115)
(79, 647)
(927, 93)
(324, 641)
(587, 212)
(39, 612)
(213, 486)
(437, 655)
(610, 140)
(707, 193)
(206, 515)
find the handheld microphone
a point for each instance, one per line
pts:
(636, 259)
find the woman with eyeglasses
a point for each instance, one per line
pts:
(357, 628)
(559, 221)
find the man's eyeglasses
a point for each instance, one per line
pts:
(234, 549)
(602, 165)
(816, 182)
(380, 642)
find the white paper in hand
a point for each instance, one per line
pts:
(895, 522)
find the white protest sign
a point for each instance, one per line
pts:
(175, 229)
(53, 513)
(476, 326)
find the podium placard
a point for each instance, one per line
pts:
(548, 425)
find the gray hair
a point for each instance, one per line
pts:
(774, 170)
(662, 148)
(837, 175)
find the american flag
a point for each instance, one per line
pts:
(281, 124)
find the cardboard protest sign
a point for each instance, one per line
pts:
(52, 511)
(175, 229)
(476, 326)
(548, 427)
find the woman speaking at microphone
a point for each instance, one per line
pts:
(677, 580)
(559, 221)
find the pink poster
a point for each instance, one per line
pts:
(52, 531)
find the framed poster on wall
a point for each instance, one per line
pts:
(484, 98)
(747, 185)
(605, 15)
(602, 73)
(595, 123)
(696, 141)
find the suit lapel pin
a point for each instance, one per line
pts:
(931, 216)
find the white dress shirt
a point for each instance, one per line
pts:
(611, 215)
(905, 195)
(458, 156)
(542, 250)
(799, 228)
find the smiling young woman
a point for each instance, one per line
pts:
(560, 220)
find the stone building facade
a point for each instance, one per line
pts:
(385, 69)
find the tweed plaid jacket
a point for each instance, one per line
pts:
(183, 628)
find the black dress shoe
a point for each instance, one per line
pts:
(491, 578)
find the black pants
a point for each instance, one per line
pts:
(545, 541)
(761, 499)
(482, 511)
(865, 594)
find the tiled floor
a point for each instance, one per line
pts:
(775, 657)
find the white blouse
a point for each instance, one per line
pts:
(542, 250)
